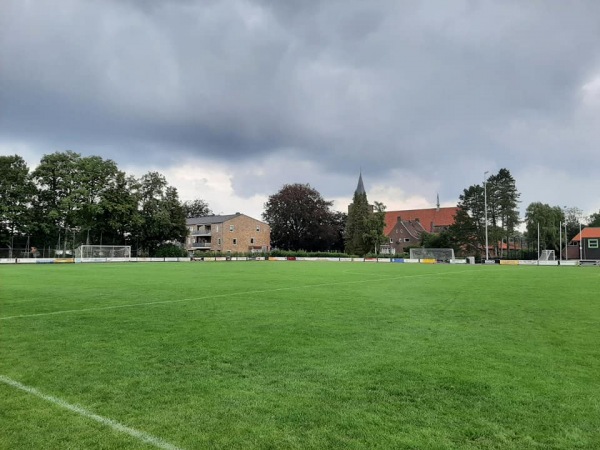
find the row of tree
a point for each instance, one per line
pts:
(69, 199)
(301, 219)
(496, 201)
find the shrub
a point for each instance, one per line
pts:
(171, 251)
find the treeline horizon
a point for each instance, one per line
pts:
(69, 199)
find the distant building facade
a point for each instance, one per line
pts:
(226, 234)
(404, 228)
(586, 245)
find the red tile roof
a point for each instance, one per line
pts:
(587, 233)
(442, 217)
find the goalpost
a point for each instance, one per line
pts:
(547, 255)
(439, 254)
(103, 251)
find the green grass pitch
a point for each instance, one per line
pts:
(299, 355)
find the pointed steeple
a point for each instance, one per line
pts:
(438, 202)
(360, 189)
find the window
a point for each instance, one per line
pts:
(391, 241)
(234, 241)
(592, 243)
(252, 240)
(231, 227)
(406, 239)
(219, 241)
(258, 228)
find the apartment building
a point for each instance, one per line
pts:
(227, 234)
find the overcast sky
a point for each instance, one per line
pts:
(232, 99)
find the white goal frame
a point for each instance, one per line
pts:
(548, 255)
(439, 254)
(103, 251)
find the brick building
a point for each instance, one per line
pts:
(404, 228)
(226, 234)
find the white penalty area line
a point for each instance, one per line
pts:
(116, 426)
(230, 294)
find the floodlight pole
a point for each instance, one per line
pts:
(580, 243)
(566, 244)
(487, 256)
(560, 240)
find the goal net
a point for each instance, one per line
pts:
(103, 251)
(547, 255)
(439, 254)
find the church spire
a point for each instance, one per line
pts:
(360, 189)
(438, 202)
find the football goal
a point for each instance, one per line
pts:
(547, 255)
(439, 254)
(103, 251)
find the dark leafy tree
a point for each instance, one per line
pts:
(468, 229)
(548, 218)
(505, 202)
(196, 208)
(594, 220)
(119, 215)
(374, 236)
(162, 215)
(300, 219)
(443, 239)
(95, 179)
(56, 204)
(337, 227)
(16, 194)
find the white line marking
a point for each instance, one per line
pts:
(142, 436)
(230, 294)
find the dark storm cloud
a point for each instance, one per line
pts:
(430, 88)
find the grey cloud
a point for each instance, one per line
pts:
(426, 88)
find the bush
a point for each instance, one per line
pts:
(171, 251)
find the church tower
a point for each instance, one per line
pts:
(360, 189)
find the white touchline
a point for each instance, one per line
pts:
(230, 294)
(145, 437)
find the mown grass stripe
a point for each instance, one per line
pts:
(140, 435)
(230, 294)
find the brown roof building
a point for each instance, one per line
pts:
(432, 220)
(586, 244)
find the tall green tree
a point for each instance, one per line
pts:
(57, 200)
(119, 215)
(594, 220)
(503, 212)
(71, 197)
(16, 194)
(374, 237)
(548, 218)
(196, 208)
(357, 226)
(94, 178)
(162, 214)
(300, 219)
(336, 230)
(468, 229)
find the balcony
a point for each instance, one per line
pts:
(202, 245)
(202, 233)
